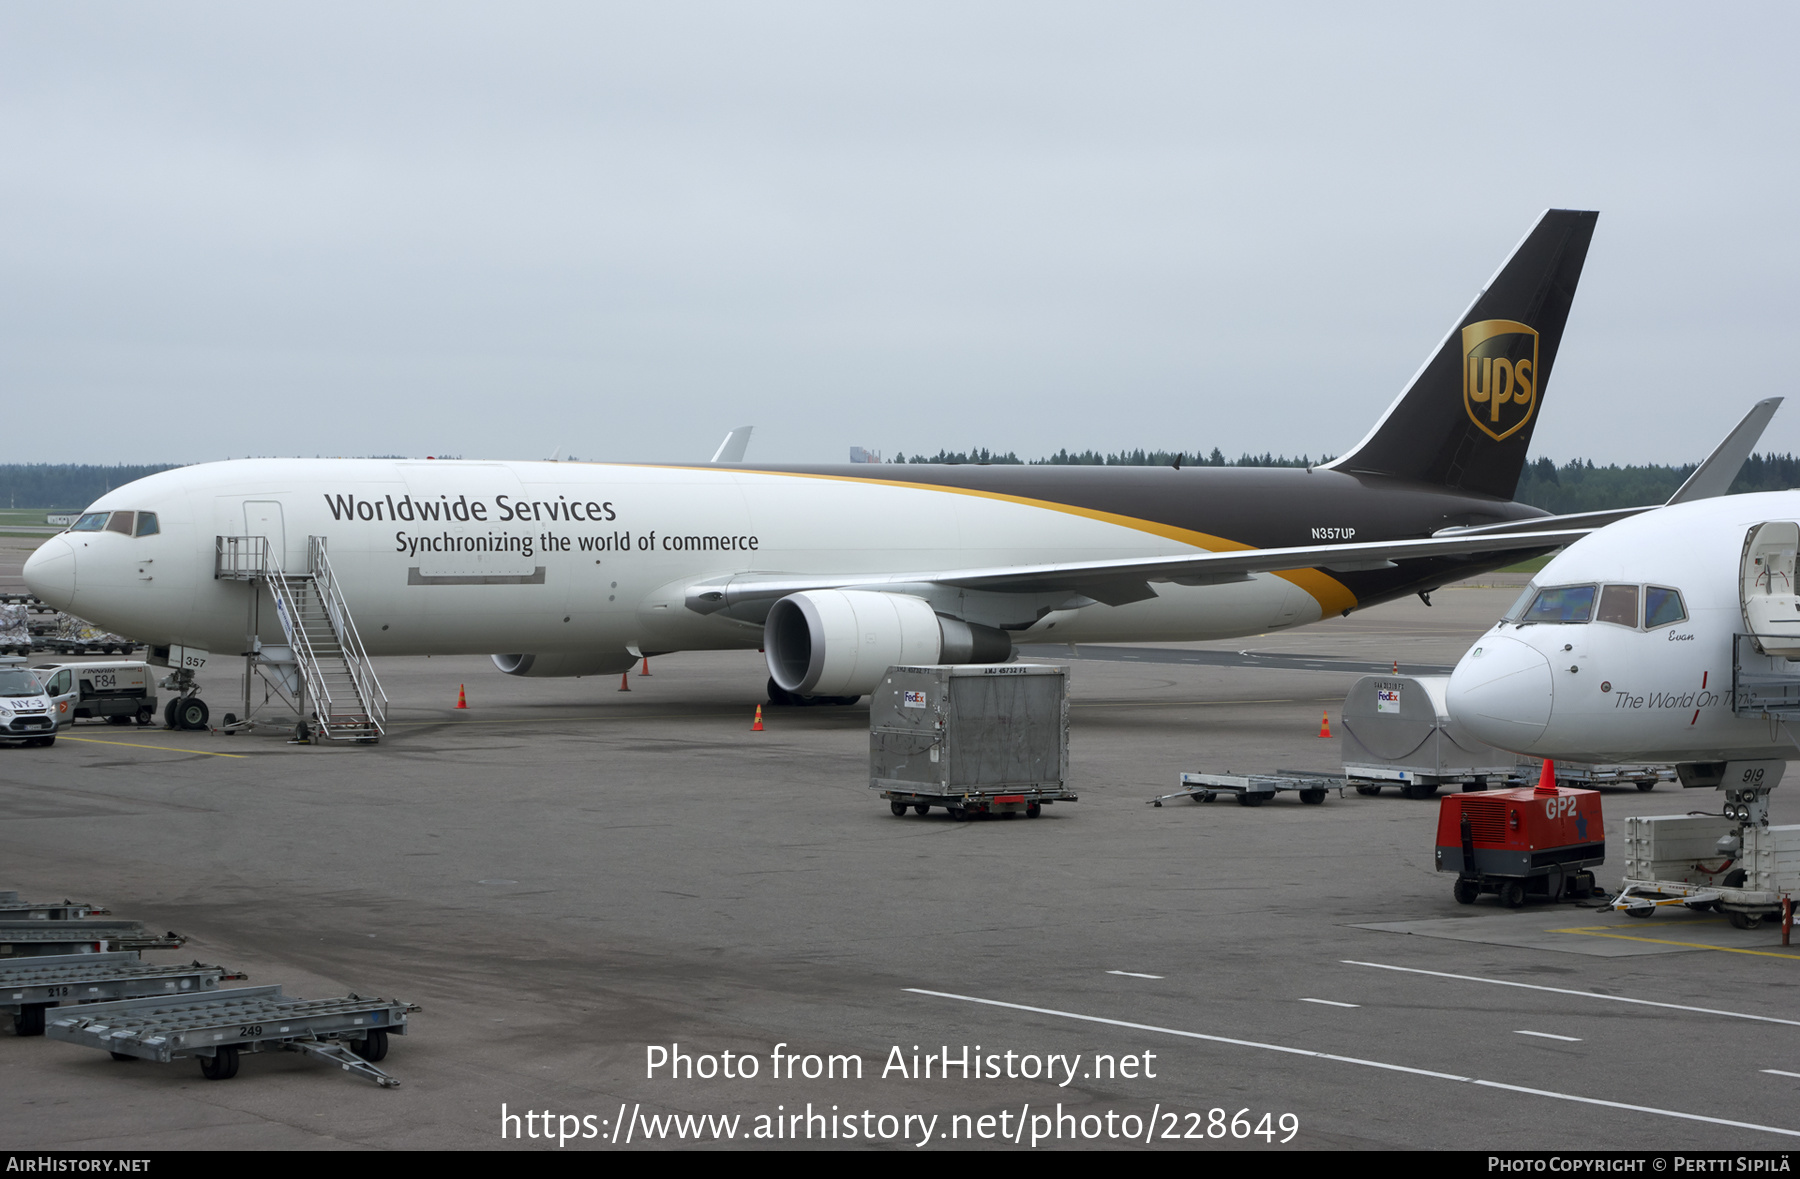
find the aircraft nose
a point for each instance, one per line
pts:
(50, 573)
(1501, 693)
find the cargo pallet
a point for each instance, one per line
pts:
(351, 1032)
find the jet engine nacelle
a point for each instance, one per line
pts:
(839, 642)
(566, 663)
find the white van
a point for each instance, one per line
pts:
(26, 713)
(116, 692)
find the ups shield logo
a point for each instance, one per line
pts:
(1500, 362)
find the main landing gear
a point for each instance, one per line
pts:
(186, 710)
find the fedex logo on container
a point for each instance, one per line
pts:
(912, 699)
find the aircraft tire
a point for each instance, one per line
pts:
(193, 714)
(169, 713)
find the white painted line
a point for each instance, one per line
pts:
(1779, 1073)
(1133, 974)
(1548, 1036)
(1394, 1068)
(1503, 982)
(1331, 1002)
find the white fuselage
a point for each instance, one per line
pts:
(449, 557)
(1650, 692)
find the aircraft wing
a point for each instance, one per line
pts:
(1118, 582)
(1710, 479)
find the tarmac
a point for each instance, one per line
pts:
(570, 879)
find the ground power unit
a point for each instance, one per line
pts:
(1518, 843)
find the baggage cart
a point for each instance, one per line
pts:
(216, 1028)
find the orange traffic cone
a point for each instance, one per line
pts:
(1547, 778)
(1325, 723)
(462, 699)
(757, 727)
(646, 670)
(625, 681)
(1396, 667)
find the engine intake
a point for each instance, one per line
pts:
(839, 642)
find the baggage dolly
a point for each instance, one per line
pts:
(14, 909)
(23, 937)
(351, 1032)
(1256, 789)
(30, 986)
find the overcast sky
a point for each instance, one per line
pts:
(621, 230)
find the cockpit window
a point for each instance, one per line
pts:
(1561, 603)
(1618, 605)
(121, 522)
(91, 522)
(146, 524)
(16, 682)
(1517, 609)
(1662, 606)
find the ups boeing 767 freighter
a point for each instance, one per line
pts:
(837, 572)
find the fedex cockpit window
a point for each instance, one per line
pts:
(1561, 603)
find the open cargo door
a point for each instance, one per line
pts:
(1766, 587)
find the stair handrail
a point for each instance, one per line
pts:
(356, 656)
(287, 611)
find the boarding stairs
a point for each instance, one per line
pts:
(324, 658)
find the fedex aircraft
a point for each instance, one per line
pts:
(837, 572)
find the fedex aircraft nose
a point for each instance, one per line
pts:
(1500, 693)
(50, 573)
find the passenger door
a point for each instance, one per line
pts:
(1766, 587)
(64, 695)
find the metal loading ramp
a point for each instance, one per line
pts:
(30, 986)
(351, 1032)
(31, 938)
